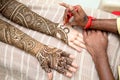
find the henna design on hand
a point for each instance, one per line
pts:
(16, 37)
(52, 58)
(49, 57)
(22, 15)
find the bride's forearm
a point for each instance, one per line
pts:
(48, 57)
(13, 36)
(22, 15)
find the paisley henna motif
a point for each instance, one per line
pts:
(14, 36)
(22, 15)
(55, 58)
(49, 57)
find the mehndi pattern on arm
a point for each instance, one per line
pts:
(13, 36)
(48, 57)
(22, 15)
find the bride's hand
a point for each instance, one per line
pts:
(53, 58)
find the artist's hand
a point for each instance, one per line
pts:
(96, 43)
(55, 59)
(80, 17)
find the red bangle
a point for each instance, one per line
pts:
(88, 25)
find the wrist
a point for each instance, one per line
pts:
(37, 48)
(93, 22)
(89, 22)
(101, 57)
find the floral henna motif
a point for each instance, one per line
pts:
(22, 15)
(56, 58)
(14, 36)
(49, 57)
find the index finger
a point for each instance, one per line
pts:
(65, 5)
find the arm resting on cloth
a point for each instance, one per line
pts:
(99, 52)
(22, 15)
(49, 57)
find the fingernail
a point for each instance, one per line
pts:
(72, 56)
(79, 50)
(73, 69)
(75, 65)
(69, 74)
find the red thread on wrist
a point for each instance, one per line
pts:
(88, 25)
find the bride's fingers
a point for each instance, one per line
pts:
(81, 35)
(71, 69)
(75, 47)
(80, 39)
(80, 44)
(50, 76)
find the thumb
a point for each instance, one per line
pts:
(50, 76)
(64, 5)
(74, 11)
(73, 23)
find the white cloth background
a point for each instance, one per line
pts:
(16, 64)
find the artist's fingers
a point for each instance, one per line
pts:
(50, 76)
(105, 34)
(75, 13)
(99, 32)
(93, 31)
(73, 23)
(65, 15)
(74, 46)
(71, 8)
(89, 32)
(65, 5)
(79, 9)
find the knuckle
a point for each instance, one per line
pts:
(86, 40)
(77, 19)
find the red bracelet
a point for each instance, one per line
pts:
(88, 25)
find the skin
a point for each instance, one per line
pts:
(74, 39)
(80, 19)
(99, 52)
(15, 37)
